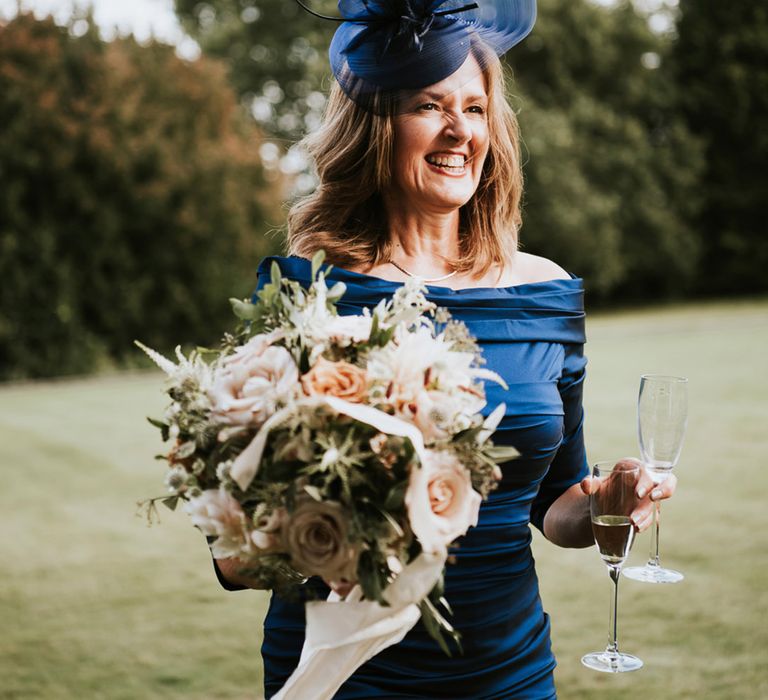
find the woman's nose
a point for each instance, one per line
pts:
(458, 127)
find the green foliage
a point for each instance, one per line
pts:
(276, 51)
(611, 171)
(132, 198)
(721, 62)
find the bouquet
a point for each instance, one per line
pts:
(346, 447)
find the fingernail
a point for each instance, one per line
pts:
(641, 492)
(656, 494)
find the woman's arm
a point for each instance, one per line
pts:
(228, 571)
(567, 521)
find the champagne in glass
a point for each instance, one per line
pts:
(610, 505)
(662, 416)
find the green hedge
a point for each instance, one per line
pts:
(132, 199)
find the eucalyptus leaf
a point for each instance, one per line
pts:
(244, 310)
(276, 275)
(186, 449)
(501, 453)
(171, 502)
(337, 291)
(314, 492)
(317, 260)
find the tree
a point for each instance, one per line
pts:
(721, 63)
(132, 200)
(612, 169)
(276, 52)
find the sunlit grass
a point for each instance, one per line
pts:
(93, 604)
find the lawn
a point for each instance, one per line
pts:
(94, 604)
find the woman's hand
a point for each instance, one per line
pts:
(647, 493)
(231, 571)
(340, 588)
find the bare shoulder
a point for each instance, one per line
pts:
(533, 268)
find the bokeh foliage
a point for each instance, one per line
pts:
(721, 65)
(612, 167)
(132, 198)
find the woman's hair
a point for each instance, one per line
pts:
(352, 151)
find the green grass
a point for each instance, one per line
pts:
(93, 604)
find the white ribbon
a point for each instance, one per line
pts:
(341, 635)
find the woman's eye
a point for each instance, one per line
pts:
(477, 109)
(428, 107)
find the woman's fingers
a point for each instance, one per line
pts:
(665, 489)
(642, 517)
(648, 494)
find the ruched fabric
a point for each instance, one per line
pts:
(533, 336)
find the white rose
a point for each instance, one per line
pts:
(218, 514)
(433, 413)
(344, 330)
(441, 503)
(252, 383)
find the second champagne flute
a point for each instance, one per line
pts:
(662, 416)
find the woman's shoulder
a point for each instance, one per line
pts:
(530, 269)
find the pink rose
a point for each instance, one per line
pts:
(252, 383)
(218, 514)
(441, 503)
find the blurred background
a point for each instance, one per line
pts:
(147, 158)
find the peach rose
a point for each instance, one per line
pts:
(315, 536)
(441, 503)
(341, 379)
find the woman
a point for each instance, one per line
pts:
(427, 182)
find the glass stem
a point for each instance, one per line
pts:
(653, 559)
(613, 631)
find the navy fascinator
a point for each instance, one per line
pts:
(385, 49)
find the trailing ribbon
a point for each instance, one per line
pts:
(341, 635)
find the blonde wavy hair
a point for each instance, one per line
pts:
(352, 152)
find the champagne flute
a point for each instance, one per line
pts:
(662, 415)
(610, 505)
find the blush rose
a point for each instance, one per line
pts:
(441, 503)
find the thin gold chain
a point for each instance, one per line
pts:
(423, 279)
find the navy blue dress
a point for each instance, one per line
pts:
(533, 336)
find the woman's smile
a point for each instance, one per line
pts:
(448, 163)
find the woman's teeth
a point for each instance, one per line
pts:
(453, 163)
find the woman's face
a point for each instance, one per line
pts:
(440, 143)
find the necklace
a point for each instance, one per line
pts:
(423, 279)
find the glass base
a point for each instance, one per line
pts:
(652, 574)
(611, 662)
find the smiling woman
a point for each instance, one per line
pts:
(419, 175)
(378, 172)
